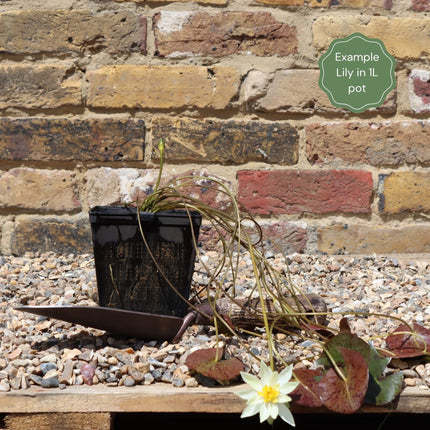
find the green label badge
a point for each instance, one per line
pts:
(357, 72)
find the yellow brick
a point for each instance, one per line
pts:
(162, 87)
(405, 191)
(368, 239)
(44, 190)
(403, 37)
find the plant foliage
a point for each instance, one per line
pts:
(349, 371)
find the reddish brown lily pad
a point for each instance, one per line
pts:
(307, 392)
(405, 343)
(208, 362)
(346, 396)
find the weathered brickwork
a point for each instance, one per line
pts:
(390, 143)
(179, 34)
(39, 86)
(421, 5)
(294, 91)
(226, 142)
(366, 239)
(212, 2)
(66, 31)
(232, 87)
(37, 189)
(64, 139)
(405, 38)
(37, 234)
(132, 185)
(385, 4)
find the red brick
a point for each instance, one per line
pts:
(288, 237)
(293, 192)
(421, 5)
(179, 33)
(419, 91)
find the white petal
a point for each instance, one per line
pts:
(288, 387)
(283, 398)
(286, 415)
(248, 394)
(264, 412)
(268, 376)
(265, 373)
(252, 380)
(286, 374)
(273, 409)
(250, 410)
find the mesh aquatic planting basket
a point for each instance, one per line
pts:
(139, 276)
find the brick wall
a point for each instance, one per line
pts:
(87, 88)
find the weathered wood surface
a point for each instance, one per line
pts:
(164, 398)
(59, 421)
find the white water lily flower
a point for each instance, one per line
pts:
(268, 394)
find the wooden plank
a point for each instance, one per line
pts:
(166, 398)
(59, 421)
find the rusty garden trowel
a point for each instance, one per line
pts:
(148, 326)
(115, 321)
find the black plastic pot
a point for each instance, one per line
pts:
(127, 276)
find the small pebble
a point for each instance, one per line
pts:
(46, 367)
(50, 383)
(129, 382)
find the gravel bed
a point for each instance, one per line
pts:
(51, 353)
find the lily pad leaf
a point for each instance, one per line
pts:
(381, 390)
(307, 392)
(385, 390)
(345, 340)
(377, 362)
(345, 394)
(344, 326)
(208, 362)
(406, 343)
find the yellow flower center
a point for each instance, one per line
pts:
(269, 394)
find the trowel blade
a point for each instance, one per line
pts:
(118, 322)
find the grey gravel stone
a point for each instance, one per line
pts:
(46, 367)
(33, 346)
(50, 383)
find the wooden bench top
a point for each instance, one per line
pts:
(166, 398)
